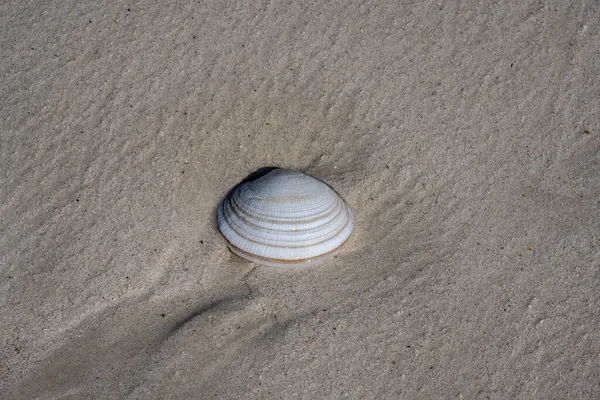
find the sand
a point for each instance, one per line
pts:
(464, 135)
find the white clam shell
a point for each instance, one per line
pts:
(284, 219)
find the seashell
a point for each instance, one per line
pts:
(284, 219)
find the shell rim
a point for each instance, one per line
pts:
(272, 262)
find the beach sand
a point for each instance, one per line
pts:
(464, 135)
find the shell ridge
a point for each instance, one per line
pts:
(300, 229)
(322, 239)
(255, 220)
